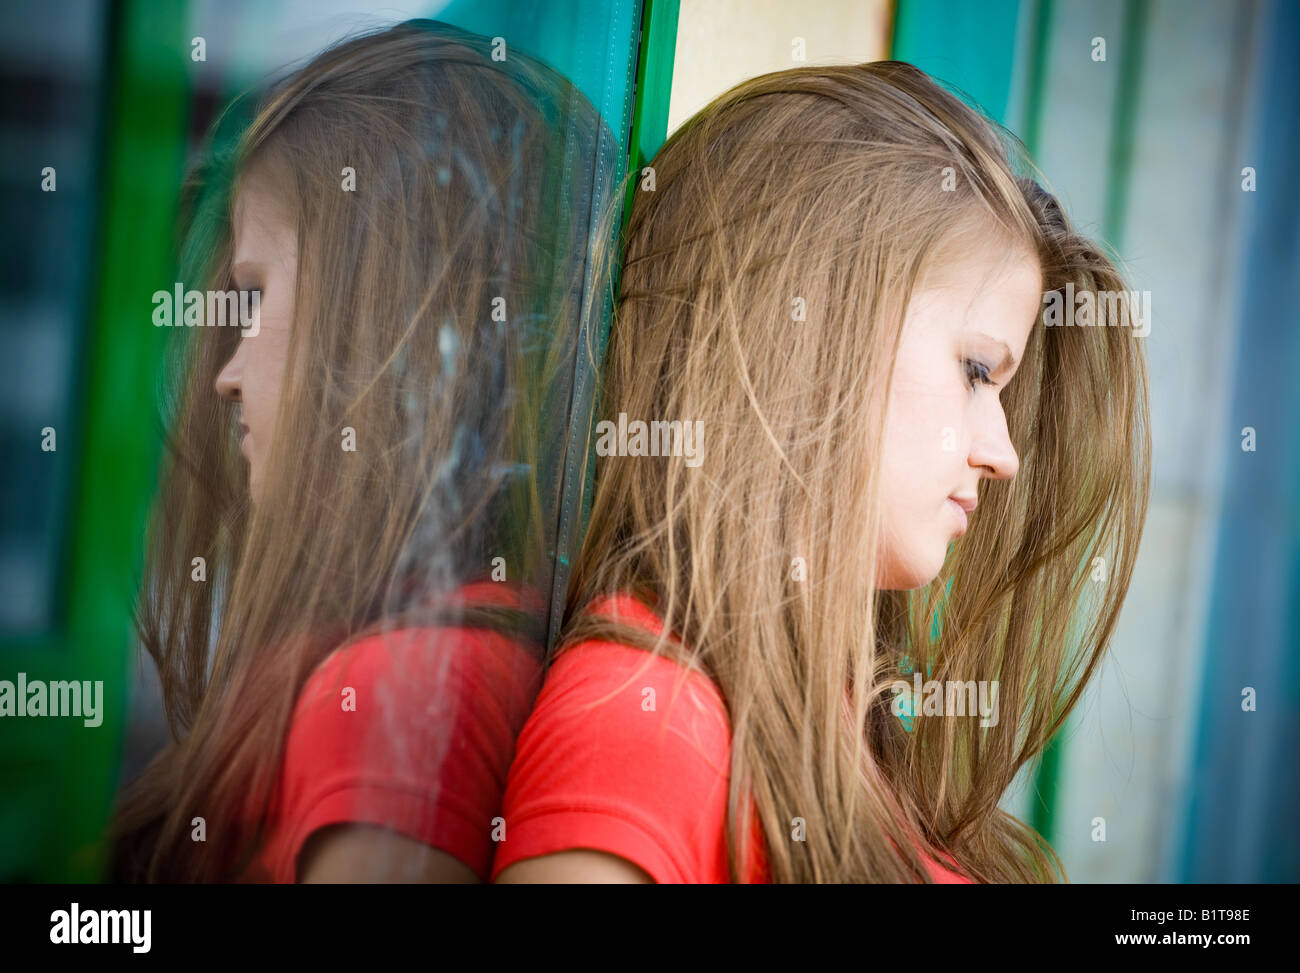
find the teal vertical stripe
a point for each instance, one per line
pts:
(969, 45)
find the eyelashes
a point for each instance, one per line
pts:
(977, 373)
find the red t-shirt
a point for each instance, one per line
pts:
(596, 767)
(412, 730)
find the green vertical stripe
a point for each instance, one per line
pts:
(1123, 131)
(1047, 772)
(1036, 77)
(974, 48)
(1118, 179)
(144, 158)
(654, 87)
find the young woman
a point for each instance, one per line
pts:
(901, 473)
(350, 560)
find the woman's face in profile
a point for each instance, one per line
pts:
(963, 338)
(265, 258)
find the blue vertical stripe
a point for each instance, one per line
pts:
(1244, 791)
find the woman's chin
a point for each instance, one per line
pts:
(907, 577)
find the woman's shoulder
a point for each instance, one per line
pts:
(622, 680)
(392, 701)
(626, 751)
(412, 729)
(425, 658)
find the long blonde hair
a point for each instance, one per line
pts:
(474, 181)
(827, 184)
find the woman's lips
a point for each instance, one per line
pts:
(961, 515)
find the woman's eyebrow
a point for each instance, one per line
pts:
(1008, 359)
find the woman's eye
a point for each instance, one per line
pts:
(977, 372)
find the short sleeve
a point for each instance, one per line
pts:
(628, 753)
(412, 731)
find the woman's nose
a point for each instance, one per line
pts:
(228, 380)
(992, 449)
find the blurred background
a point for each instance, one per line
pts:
(1170, 129)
